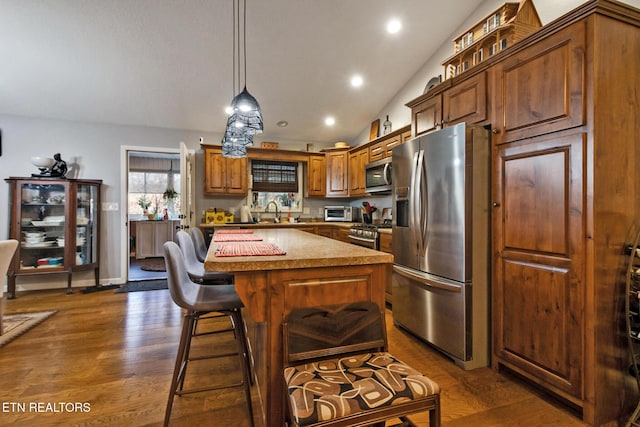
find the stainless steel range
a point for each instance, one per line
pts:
(367, 235)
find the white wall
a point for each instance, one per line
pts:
(95, 148)
(400, 115)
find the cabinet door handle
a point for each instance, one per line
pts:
(495, 131)
(495, 204)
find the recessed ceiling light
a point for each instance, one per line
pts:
(283, 123)
(329, 121)
(394, 26)
(356, 80)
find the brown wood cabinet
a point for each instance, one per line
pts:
(358, 159)
(566, 178)
(337, 173)
(57, 222)
(385, 246)
(564, 107)
(538, 283)
(541, 89)
(466, 101)
(316, 175)
(382, 149)
(224, 175)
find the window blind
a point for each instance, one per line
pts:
(273, 176)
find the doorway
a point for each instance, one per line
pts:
(151, 181)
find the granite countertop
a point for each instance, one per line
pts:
(304, 250)
(280, 224)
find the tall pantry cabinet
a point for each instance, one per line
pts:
(565, 116)
(563, 106)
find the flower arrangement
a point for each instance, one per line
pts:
(144, 203)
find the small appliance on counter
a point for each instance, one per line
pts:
(341, 214)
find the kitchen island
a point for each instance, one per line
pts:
(314, 271)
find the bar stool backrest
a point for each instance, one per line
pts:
(195, 268)
(183, 290)
(199, 243)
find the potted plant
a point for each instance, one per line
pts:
(170, 194)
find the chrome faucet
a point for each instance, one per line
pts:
(277, 217)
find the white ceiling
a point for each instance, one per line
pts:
(168, 63)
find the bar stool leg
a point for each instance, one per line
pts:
(185, 339)
(241, 340)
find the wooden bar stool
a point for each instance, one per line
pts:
(198, 301)
(337, 372)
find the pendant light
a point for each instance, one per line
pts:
(245, 119)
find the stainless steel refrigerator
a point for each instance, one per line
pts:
(441, 241)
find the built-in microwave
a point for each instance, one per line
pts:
(378, 176)
(341, 213)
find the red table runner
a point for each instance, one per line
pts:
(228, 237)
(235, 231)
(248, 249)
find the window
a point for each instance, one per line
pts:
(277, 182)
(149, 179)
(274, 176)
(466, 40)
(503, 44)
(492, 23)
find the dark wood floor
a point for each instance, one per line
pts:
(116, 353)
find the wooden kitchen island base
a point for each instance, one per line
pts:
(315, 271)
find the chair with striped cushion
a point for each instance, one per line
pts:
(337, 372)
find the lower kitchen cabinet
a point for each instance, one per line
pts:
(151, 235)
(385, 246)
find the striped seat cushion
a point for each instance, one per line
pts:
(339, 387)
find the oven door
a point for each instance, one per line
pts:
(364, 241)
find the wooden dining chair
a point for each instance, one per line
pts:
(338, 372)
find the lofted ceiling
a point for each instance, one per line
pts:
(168, 63)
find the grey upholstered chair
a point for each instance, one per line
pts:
(198, 301)
(195, 268)
(199, 243)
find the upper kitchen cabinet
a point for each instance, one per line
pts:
(464, 100)
(565, 184)
(337, 172)
(57, 223)
(358, 159)
(540, 89)
(223, 175)
(383, 145)
(316, 175)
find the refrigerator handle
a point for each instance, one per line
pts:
(414, 201)
(421, 208)
(427, 280)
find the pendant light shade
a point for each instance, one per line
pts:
(246, 113)
(245, 119)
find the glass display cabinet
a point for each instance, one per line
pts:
(57, 223)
